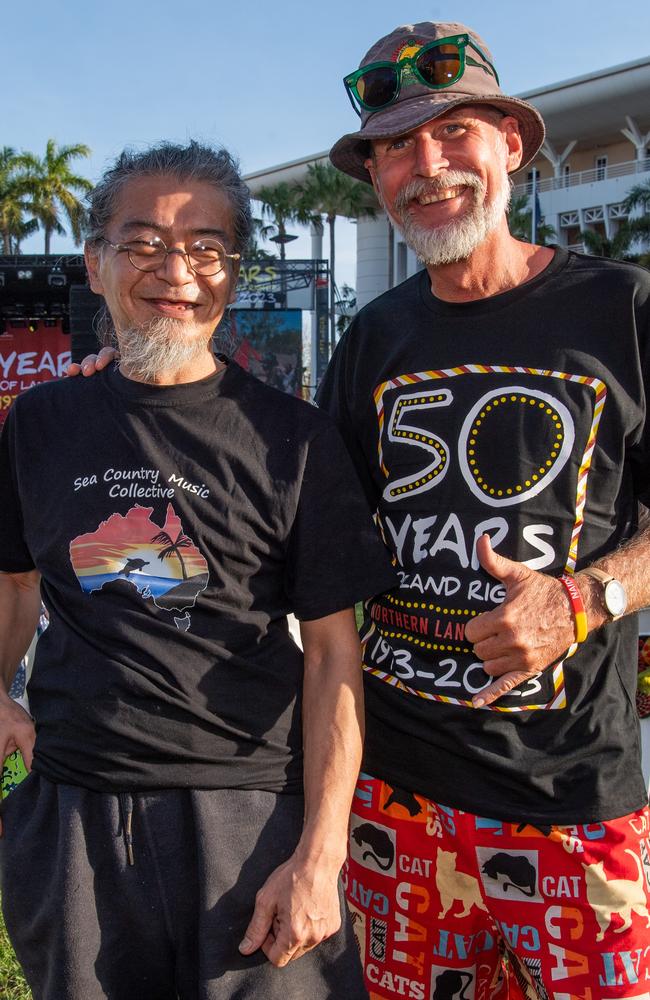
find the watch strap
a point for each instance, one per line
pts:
(604, 579)
(598, 574)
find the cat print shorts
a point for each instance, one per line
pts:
(451, 906)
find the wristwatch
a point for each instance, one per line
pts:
(614, 595)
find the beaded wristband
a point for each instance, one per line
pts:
(577, 606)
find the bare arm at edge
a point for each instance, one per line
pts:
(298, 906)
(20, 603)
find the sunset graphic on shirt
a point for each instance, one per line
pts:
(161, 562)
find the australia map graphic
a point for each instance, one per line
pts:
(160, 561)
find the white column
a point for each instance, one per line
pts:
(372, 258)
(556, 159)
(639, 140)
(316, 233)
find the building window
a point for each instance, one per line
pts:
(601, 168)
(596, 214)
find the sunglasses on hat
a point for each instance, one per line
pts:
(436, 65)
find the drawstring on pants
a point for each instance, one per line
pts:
(126, 813)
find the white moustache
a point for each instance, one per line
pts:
(438, 188)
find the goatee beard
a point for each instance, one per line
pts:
(161, 345)
(457, 239)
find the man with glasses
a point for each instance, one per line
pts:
(495, 407)
(185, 820)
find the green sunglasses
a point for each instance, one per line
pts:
(436, 65)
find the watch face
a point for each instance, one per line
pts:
(615, 598)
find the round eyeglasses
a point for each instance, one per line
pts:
(205, 257)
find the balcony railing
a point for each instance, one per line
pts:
(585, 177)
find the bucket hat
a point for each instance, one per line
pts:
(417, 104)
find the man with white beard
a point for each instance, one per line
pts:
(184, 824)
(495, 406)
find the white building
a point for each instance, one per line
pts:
(597, 148)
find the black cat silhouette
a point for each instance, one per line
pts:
(545, 830)
(517, 872)
(451, 984)
(379, 842)
(398, 797)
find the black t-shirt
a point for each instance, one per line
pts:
(522, 416)
(174, 529)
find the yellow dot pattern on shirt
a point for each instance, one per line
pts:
(425, 606)
(423, 643)
(419, 435)
(541, 470)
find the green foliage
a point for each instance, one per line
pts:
(12, 981)
(520, 219)
(346, 307)
(40, 192)
(16, 193)
(280, 204)
(328, 192)
(616, 248)
(55, 187)
(638, 197)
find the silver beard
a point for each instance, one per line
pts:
(457, 239)
(161, 345)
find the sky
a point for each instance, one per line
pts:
(261, 78)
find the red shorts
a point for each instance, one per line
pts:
(451, 906)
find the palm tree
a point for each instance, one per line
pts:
(16, 189)
(616, 248)
(56, 187)
(638, 197)
(346, 307)
(330, 193)
(172, 548)
(22, 230)
(253, 250)
(520, 222)
(279, 204)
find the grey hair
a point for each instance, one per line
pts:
(193, 162)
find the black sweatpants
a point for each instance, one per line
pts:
(88, 925)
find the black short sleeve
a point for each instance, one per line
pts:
(336, 388)
(335, 557)
(14, 554)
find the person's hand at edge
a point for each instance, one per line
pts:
(92, 362)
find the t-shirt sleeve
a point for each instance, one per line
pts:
(14, 554)
(639, 455)
(335, 396)
(335, 554)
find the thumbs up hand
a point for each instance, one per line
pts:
(531, 629)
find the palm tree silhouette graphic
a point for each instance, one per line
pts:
(172, 548)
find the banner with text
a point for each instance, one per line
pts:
(29, 355)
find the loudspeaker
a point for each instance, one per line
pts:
(84, 309)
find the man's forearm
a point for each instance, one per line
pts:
(298, 905)
(631, 565)
(332, 723)
(20, 603)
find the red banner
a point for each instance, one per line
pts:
(29, 355)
